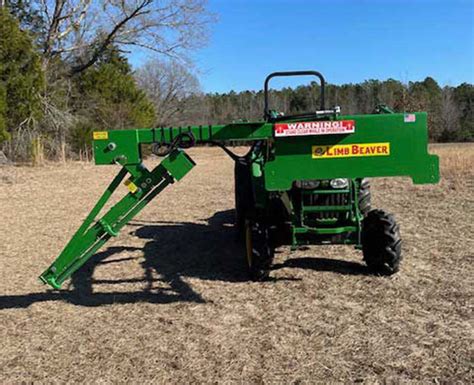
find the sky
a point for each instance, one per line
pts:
(348, 41)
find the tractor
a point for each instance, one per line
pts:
(304, 180)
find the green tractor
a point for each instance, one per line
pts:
(303, 181)
(311, 211)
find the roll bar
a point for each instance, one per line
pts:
(292, 73)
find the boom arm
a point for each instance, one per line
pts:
(123, 146)
(144, 185)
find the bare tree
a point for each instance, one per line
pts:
(79, 31)
(170, 86)
(450, 113)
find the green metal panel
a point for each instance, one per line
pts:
(178, 164)
(407, 137)
(118, 146)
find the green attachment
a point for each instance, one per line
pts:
(382, 145)
(399, 142)
(143, 185)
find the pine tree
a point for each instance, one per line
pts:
(21, 78)
(108, 98)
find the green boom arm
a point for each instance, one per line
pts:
(144, 185)
(123, 148)
(404, 141)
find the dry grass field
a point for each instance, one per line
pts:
(167, 301)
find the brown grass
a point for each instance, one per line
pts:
(457, 162)
(166, 301)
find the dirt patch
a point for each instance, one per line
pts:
(167, 300)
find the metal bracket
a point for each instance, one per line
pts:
(107, 228)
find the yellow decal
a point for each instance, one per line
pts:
(351, 150)
(131, 186)
(100, 135)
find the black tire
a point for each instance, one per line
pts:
(364, 196)
(243, 194)
(381, 242)
(258, 249)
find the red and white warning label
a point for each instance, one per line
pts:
(314, 128)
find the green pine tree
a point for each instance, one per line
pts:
(21, 78)
(108, 98)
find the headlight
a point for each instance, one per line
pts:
(339, 183)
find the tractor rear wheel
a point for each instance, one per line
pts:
(364, 196)
(243, 194)
(258, 250)
(381, 242)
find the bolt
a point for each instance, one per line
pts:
(111, 146)
(121, 159)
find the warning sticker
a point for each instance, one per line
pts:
(100, 135)
(351, 150)
(314, 128)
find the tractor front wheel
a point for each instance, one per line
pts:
(258, 250)
(381, 242)
(364, 196)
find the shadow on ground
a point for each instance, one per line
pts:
(173, 251)
(325, 264)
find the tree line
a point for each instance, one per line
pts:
(450, 109)
(64, 73)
